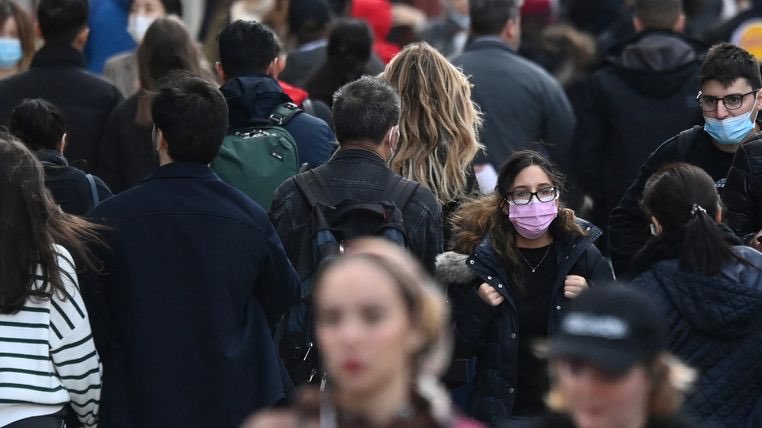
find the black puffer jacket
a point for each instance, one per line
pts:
(743, 190)
(715, 326)
(491, 333)
(643, 94)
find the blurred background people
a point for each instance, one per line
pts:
(381, 328)
(17, 40)
(520, 258)
(48, 359)
(709, 290)
(347, 56)
(127, 152)
(611, 366)
(123, 70)
(439, 126)
(40, 126)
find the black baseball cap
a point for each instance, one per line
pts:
(610, 327)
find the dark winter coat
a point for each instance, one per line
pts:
(256, 96)
(643, 94)
(491, 332)
(194, 283)
(57, 74)
(715, 326)
(127, 153)
(70, 187)
(521, 102)
(743, 191)
(628, 225)
(358, 175)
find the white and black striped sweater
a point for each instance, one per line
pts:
(47, 356)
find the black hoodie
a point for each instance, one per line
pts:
(643, 94)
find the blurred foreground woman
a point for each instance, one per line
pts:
(380, 324)
(611, 365)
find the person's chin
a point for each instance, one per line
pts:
(590, 418)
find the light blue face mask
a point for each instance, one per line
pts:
(731, 130)
(10, 52)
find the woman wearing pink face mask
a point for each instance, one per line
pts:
(521, 256)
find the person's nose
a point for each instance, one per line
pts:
(722, 111)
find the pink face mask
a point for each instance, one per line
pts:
(533, 219)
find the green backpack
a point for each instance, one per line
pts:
(257, 159)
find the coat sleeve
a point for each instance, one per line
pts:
(109, 154)
(472, 318)
(628, 224)
(277, 286)
(742, 193)
(598, 269)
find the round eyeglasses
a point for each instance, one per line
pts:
(731, 102)
(523, 197)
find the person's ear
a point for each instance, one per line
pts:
(679, 25)
(272, 69)
(81, 38)
(62, 143)
(220, 71)
(655, 226)
(512, 31)
(637, 24)
(718, 215)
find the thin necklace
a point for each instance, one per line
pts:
(534, 268)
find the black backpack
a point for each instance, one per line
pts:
(330, 226)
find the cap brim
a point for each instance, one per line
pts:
(613, 359)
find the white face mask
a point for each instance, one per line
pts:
(138, 25)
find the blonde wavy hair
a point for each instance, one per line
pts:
(439, 124)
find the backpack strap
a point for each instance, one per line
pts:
(282, 113)
(93, 190)
(401, 192)
(314, 188)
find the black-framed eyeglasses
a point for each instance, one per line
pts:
(731, 101)
(523, 197)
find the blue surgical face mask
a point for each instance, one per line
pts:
(731, 130)
(463, 21)
(10, 52)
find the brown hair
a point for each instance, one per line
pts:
(30, 226)
(11, 9)
(439, 124)
(485, 215)
(670, 379)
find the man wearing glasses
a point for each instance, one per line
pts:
(730, 99)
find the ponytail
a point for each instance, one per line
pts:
(704, 248)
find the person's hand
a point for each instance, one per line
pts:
(756, 241)
(574, 286)
(488, 293)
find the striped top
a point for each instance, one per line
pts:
(47, 356)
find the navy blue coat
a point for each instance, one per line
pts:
(194, 283)
(715, 326)
(491, 333)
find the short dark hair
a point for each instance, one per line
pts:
(308, 19)
(246, 47)
(61, 20)
(365, 110)
(725, 63)
(192, 115)
(38, 124)
(658, 14)
(488, 17)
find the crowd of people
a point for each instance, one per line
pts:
(504, 213)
